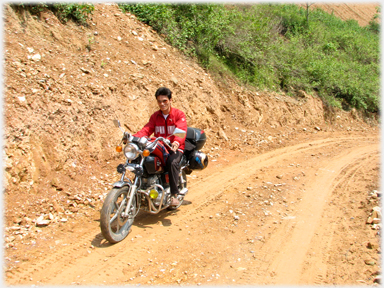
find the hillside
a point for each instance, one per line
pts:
(64, 84)
(59, 109)
(362, 13)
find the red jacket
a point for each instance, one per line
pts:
(163, 128)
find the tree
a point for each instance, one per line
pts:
(307, 5)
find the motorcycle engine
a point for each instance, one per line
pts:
(150, 182)
(158, 199)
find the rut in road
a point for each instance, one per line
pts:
(282, 253)
(318, 257)
(285, 252)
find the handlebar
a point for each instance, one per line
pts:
(127, 136)
(164, 140)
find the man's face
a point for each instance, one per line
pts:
(164, 104)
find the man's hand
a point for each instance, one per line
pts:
(175, 146)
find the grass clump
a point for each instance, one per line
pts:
(77, 12)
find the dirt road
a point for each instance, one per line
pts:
(294, 215)
(293, 212)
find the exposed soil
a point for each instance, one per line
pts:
(287, 197)
(362, 13)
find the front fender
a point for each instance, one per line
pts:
(120, 184)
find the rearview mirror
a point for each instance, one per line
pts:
(117, 123)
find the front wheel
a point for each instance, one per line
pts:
(114, 226)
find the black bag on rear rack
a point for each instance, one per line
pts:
(194, 141)
(196, 137)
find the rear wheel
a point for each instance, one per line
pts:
(114, 226)
(182, 185)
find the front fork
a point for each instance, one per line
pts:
(133, 188)
(131, 192)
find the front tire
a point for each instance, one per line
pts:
(114, 226)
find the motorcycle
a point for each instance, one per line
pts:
(149, 189)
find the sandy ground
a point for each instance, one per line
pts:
(294, 215)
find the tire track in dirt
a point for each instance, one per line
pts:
(78, 264)
(240, 171)
(47, 267)
(317, 258)
(286, 249)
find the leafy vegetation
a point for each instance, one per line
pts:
(77, 12)
(185, 26)
(276, 47)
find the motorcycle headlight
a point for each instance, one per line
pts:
(131, 151)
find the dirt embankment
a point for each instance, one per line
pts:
(362, 13)
(64, 84)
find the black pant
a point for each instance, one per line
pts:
(172, 166)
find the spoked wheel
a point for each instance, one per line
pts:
(181, 186)
(114, 226)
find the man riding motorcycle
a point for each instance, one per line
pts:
(162, 123)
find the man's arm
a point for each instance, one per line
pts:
(181, 123)
(148, 129)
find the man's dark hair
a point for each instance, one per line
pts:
(163, 91)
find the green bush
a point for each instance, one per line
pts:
(194, 29)
(277, 47)
(64, 12)
(77, 12)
